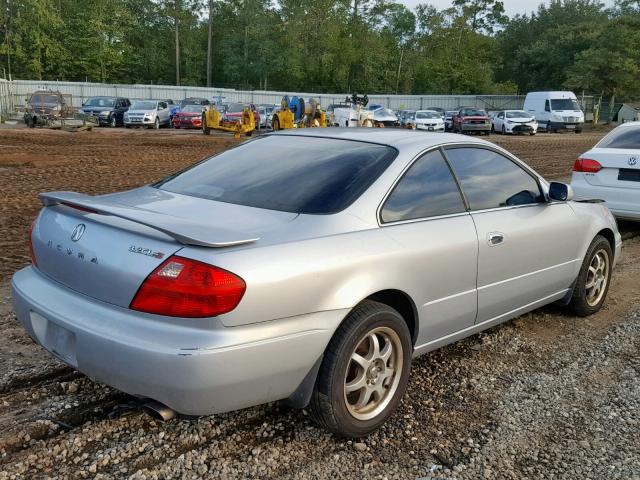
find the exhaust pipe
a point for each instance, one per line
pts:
(158, 410)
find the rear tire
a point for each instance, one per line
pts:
(592, 284)
(364, 372)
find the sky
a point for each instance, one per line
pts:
(512, 7)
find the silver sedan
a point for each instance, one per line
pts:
(311, 266)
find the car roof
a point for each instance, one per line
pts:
(398, 138)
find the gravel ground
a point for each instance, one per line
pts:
(547, 395)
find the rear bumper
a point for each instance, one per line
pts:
(195, 370)
(624, 203)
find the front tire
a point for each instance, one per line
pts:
(364, 372)
(592, 284)
(113, 121)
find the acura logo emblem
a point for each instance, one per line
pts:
(78, 232)
(633, 161)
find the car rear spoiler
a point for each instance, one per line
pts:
(182, 230)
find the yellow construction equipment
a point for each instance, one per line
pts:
(211, 120)
(295, 113)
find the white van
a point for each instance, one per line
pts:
(555, 110)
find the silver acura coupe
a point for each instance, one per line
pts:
(311, 266)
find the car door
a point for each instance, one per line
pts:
(163, 112)
(498, 122)
(426, 215)
(527, 247)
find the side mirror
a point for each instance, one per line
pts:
(560, 192)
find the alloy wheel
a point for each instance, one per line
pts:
(373, 373)
(597, 277)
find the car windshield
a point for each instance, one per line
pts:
(143, 105)
(43, 98)
(565, 104)
(100, 102)
(622, 137)
(192, 109)
(235, 107)
(316, 176)
(518, 114)
(385, 111)
(428, 115)
(474, 112)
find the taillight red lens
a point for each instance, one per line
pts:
(587, 165)
(33, 254)
(182, 287)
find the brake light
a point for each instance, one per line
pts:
(586, 165)
(181, 287)
(33, 255)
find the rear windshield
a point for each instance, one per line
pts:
(622, 137)
(286, 173)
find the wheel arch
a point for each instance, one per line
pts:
(609, 235)
(403, 303)
(396, 299)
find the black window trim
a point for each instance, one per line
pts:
(443, 148)
(513, 160)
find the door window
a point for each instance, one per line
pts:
(427, 189)
(546, 106)
(490, 180)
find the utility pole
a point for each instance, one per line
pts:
(175, 18)
(210, 47)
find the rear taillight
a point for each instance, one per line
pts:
(586, 165)
(182, 287)
(33, 255)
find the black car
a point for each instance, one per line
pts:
(108, 110)
(43, 107)
(194, 101)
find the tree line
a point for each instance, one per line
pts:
(367, 46)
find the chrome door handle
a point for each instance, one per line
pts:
(495, 238)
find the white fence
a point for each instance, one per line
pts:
(6, 98)
(81, 91)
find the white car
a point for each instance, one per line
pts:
(555, 110)
(610, 171)
(514, 121)
(429, 120)
(148, 113)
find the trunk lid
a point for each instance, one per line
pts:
(105, 247)
(620, 167)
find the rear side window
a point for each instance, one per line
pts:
(287, 173)
(622, 137)
(426, 190)
(491, 180)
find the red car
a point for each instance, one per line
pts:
(234, 112)
(190, 116)
(471, 120)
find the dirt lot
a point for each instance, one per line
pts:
(544, 396)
